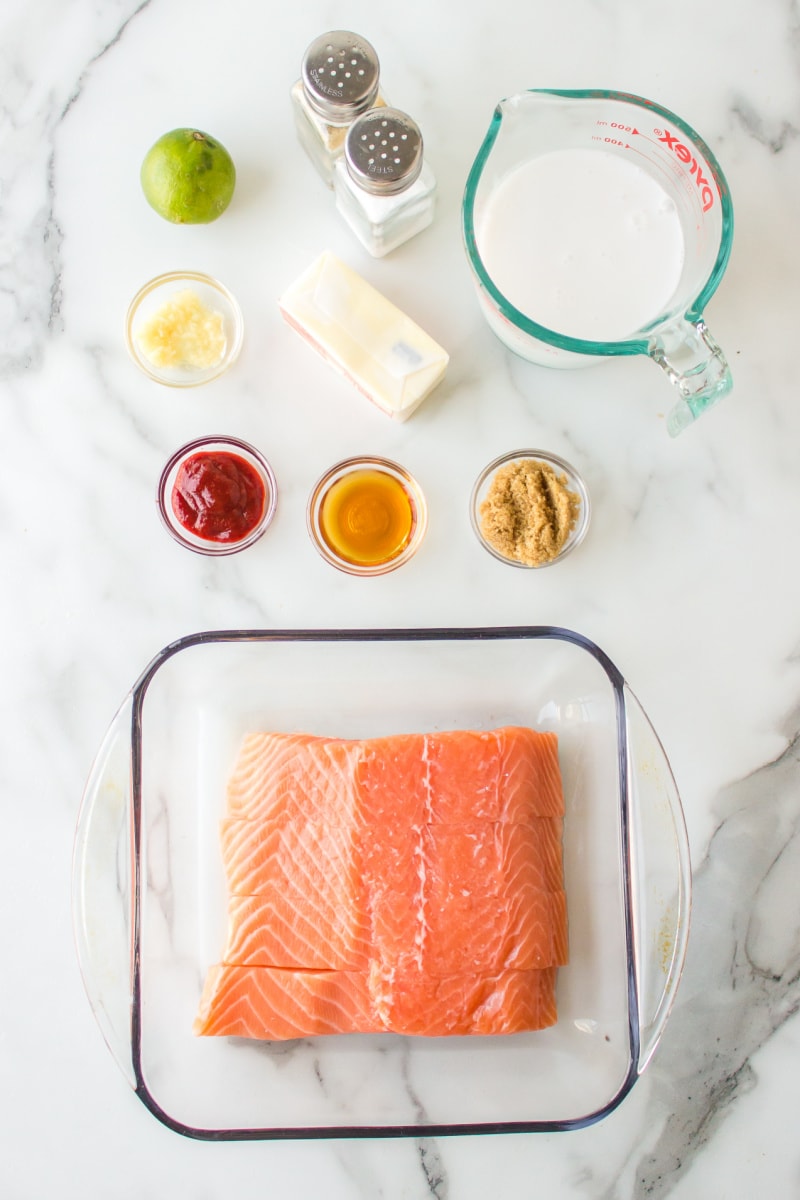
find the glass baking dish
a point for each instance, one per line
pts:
(149, 893)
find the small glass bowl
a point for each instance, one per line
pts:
(574, 483)
(351, 466)
(213, 295)
(231, 445)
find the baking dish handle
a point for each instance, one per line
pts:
(660, 877)
(101, 889)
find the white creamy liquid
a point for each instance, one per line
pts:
(583, 242)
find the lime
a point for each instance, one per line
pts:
(188, 177)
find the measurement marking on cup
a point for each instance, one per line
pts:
(684, 155)
(618, 125)
(663, 139)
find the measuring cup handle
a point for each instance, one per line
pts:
(696, 366)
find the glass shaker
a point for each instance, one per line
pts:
(384, 188)
(339, 80)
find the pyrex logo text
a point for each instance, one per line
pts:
(685, 155)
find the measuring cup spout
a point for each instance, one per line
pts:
(696, 366)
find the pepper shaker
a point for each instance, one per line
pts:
(384, 188)
(340, 78)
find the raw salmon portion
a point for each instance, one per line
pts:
(393, 782)
(530, 775)
(394, 879)
(309, 853)
(498, 882)
(410, 883)
(464, 776)
(287, 775)
(282, 929)
(244, 1001)
(509, 774)
(491, 1002)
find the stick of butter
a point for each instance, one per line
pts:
(362, 334)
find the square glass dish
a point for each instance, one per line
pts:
(150, 905)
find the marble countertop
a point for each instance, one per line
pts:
(688, 578)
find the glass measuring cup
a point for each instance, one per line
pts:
(534, 123)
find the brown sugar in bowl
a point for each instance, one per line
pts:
(529, 508)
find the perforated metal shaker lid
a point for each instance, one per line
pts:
(383, 151)
(340, 75)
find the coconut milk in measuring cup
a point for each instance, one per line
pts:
(599, 224)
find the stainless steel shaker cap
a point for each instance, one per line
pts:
(340, 75)
(383, 151)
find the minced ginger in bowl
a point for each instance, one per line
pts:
(184, 329)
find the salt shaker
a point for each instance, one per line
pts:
(384, 188)
(340, 78)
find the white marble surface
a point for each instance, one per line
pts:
(688, 577)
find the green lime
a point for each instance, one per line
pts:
(188, 177)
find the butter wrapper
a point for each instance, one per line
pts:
(393, 362)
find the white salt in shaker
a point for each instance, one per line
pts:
(384, 188)
(340, 77)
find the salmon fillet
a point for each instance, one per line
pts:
(410, 883)
(246, 1001)
(294, 775)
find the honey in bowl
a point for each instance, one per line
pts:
(367, 517)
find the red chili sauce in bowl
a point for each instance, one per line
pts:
(218, 495)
